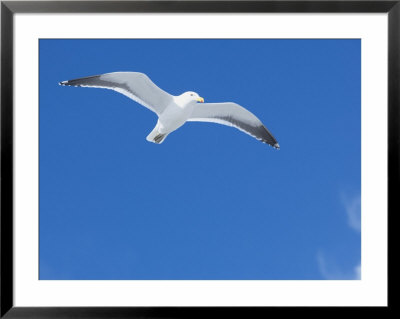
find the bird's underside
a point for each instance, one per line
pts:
(139, 87)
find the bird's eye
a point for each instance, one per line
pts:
(191, 94)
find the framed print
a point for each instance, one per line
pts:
(194, 158)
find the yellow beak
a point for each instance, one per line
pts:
(200, 99)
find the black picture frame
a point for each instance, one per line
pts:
(9, 8)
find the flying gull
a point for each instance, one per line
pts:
(174, 111)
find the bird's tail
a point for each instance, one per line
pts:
(155, 136)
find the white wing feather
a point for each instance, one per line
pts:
(232, 114)
(137, 86)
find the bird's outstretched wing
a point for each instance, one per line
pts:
(232, 114)
(134, 85)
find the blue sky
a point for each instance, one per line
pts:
(210, 202)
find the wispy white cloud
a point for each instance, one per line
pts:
(331, 271)
(357, 272)
(352, 207)
(327, 267)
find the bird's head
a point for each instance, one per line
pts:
(192, 96)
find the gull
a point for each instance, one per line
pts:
(174, 111)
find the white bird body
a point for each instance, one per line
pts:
(174, 111)
(176, 114)
(173, 117)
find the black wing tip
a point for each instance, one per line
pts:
(79, 81)
(270, 139)
(275, 146)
